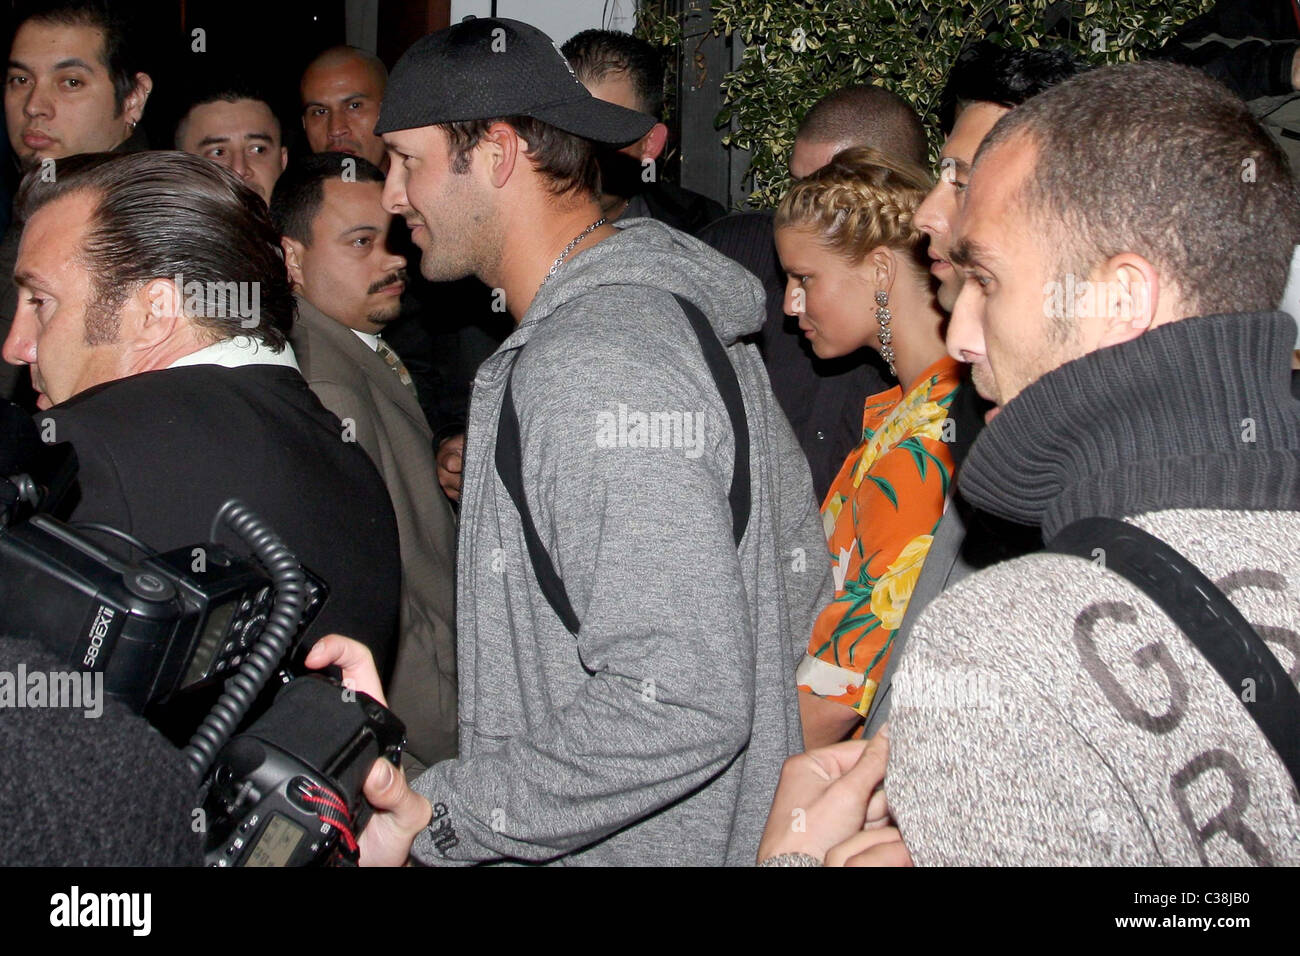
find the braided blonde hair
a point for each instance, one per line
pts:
(858, 201)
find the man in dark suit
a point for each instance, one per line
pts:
(153, 314)
(329, 211)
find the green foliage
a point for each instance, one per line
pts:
(797, 51)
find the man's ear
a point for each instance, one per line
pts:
(153, 314)
(293, 250)
(1129, 294)
(653, 142)
(284, 158)
(501, 147)
(133, 105)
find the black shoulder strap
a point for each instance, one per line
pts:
(509, 462)
(724, 377)
(1201, 611)
(510, 468)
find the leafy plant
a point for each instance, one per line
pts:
(797, 51)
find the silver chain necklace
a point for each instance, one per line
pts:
(559, 260)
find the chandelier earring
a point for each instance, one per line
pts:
(884, 316)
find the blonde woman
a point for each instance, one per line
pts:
(856, 277)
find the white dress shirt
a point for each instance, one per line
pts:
(237, 352)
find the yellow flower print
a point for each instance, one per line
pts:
(928, 422)
(913, 416)
(868, 695)
(894, 589)
(832, 515)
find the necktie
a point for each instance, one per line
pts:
(391, 359)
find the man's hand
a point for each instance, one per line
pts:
(826, 796)
(353, 658)
(400, 812)
(400, 815)
(451, 459)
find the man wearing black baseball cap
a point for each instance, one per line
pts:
(643, 714)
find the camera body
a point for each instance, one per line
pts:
(287, 791)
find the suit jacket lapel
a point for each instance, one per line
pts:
(367, 360)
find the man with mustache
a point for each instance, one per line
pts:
(448, 328)
(349, 285)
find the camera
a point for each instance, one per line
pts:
(166, 624)
(172, 631)
(279, 793)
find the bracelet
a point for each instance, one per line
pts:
(791, 859)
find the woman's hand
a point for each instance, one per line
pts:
(827, 796)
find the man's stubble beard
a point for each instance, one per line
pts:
(981, 377)
(386, 316)
(452, 249)
(1057, 346)
(474, 249)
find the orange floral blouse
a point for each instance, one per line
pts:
(880, 515)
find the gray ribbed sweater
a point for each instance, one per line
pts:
(1045, 711)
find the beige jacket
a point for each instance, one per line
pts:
(383, 416)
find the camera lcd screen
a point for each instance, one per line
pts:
(214, 631)
(280, 837)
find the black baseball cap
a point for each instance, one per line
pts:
(487, 68)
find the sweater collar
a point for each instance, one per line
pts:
(1193, 414)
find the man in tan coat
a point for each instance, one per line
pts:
(349, 286)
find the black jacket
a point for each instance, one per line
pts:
(1247, 45)
(677, 207)
(161, 452)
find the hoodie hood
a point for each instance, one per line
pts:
(664, 259)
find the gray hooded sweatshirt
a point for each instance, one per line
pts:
(657, 736)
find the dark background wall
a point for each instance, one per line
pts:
(270, 41)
